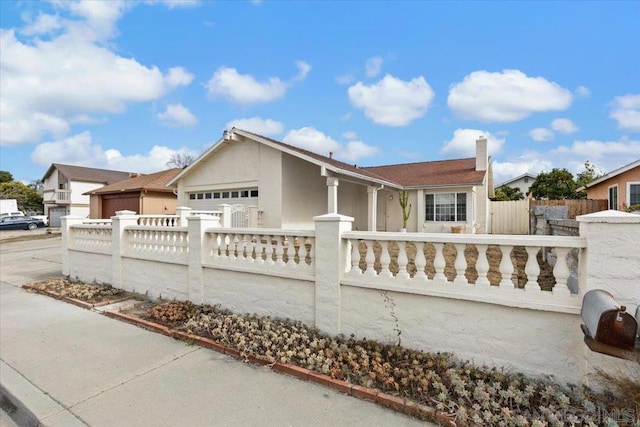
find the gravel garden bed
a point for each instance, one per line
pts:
(467, 394)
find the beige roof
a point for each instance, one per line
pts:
(80, 173)
(152, 182)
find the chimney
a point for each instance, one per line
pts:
(331, 154)
(482, 158)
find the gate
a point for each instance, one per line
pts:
(510, 217)
(239, 216)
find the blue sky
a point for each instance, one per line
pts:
(124, 85)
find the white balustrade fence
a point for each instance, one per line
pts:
(502, 300)
(279, 252)
(485, 267)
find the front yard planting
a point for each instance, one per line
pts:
(411, 379)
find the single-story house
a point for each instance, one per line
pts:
(64, 188)
(143, 194)
(621, 187)
(290, 186)
(522, 182)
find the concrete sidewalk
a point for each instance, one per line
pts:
(65, 366)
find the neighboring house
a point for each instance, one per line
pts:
(522, 182)
(65, 185)
(620, 187)
(143, 194)
(290, 186)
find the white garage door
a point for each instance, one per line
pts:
(54, 216)
(211, 200)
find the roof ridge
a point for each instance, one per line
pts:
(418, 163)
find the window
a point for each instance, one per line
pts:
(200, 196)
(216, 195)
(633, 193)
(192, 196)
(244, 193)
(225, 194)
(526, 180)
(254, 193)
(613, 197)
(234, 194)
(445, 207)
(207, 195)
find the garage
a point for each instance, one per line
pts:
(211, 200)
(54, 216)
(111, 203)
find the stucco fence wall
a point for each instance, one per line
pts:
(528, 330)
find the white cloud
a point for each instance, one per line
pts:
(541, 134)
(178, 76)
(373, 66)
(626, 111)
(583, 91)
(356, 150)
(391, 101)
(463, 143)
(528, 163)
(177, 115)
(245, 89)
(312, 139)
(47, 83)
(172, 4)
(316, 141)
(257, 125)
(564, 126)
(607, 155)
(505, 97)
(80, 150)
(345, 79)
(350, 135)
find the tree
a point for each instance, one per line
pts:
(27, 198)
(504, 192)
(555, 185)
(586, 176)
(180, 160)
(5, 176)
(38, 185)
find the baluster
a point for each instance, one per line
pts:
(439, 263)
(226, 252)
(291, 251)
(506, 268)
(460, 265)
(403, 260)
(370, 258)
(421, 261)
(532, 269)
(259, 249)
(251, 248)
(312, 251)
(280, 251)
(482, 267)
(385, 259)
(355, 258)
(270, 250)
(215, 245)
(561, 272)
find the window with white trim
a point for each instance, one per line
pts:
(450, 207)
(633, 193)
(613, 197)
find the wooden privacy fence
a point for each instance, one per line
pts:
(576, 207)
(512, 217)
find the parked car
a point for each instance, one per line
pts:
(20, 223)
(42, 218)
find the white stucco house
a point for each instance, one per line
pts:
(290, 186)
(65, 185)
(522, 182)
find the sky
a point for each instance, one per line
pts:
(125, 85)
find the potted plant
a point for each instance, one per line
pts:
(403, 198)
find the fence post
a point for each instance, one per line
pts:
(226, 215)
(331, 262)
(66, 223)
(198, 242)
(119, 243)
(612, 255)
(183, 213)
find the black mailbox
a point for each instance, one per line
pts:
(607, 321)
